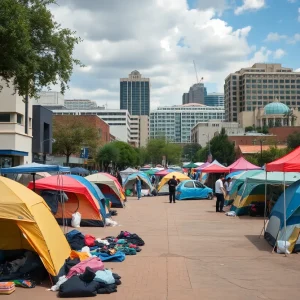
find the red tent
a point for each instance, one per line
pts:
(215, 168)
(242, 165)
(63, 183)
(287, 163)
(203, 166)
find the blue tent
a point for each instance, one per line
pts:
(80, 171)
(275, 229)
(230, 175)
(95, 191)
(130, 181)
(34, 168)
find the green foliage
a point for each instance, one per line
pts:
(190, 150)
(293, 140)
(222, 149)
(106, 154)
(35, 51)
(201, 154)
(249, 128)
(127, 155)
(157, 148)
(263, 129)
(71, 136)
(142, 156)
(267, 156)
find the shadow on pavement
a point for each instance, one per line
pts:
(259, 242)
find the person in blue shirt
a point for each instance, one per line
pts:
(138, 185)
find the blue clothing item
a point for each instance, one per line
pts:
(139, 193)
(117, 257)
(105, 277)
(121, 241)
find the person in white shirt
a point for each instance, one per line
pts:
(220, 194)
(228, 185)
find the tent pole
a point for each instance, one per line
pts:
(265, 210)
(284, 213)
(33, 177)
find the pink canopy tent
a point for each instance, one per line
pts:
(202, 166)
(215, 168)
(242, 165)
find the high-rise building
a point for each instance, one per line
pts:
(135, 94)
(49, 98)
(185, 98)
(175, 122)
(80, 104)
(214, 99)
(252, 88)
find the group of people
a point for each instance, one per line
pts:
(222, 189)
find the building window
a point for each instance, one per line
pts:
(19, 119)
(4, 118)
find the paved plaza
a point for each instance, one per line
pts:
(192, 252)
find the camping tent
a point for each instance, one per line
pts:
(131, 179)
(215, 167)
(128, 172)
(27, 223)
(274, 178)
(164, 172)
(79, 199)
(248, 194)
(26, 178)
(242, 165)
(275, 228)
(79, 171)
(110, 187)
(238, 182)
(96, 192)
(166, 178)
(203, 166)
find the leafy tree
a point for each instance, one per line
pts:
(190, 150)
(202, 154)
(142, 156)
(155, 149)
(35, 51)
(249, 128)
(293, 140)
(106, 154)
(173, 153)
(71, 136)
(127, 155)
(222, 149)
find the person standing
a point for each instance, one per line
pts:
(172, 188)
(220, 194)
(138, 186)
(119, 177)
(228, 185)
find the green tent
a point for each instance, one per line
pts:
(151, 172)
(274, 178)
(190, 166)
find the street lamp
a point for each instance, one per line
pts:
(261, 141)
(42, 148)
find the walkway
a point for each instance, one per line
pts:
(191, 252)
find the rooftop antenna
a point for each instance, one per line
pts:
(196, 72)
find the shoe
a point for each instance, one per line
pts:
(174, 202)
(217, 211)
(221, 211)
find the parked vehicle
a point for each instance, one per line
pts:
(193, 189)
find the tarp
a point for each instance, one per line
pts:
(34, 168)
(274, 178)
(242, 165)
(96, 192)
(166, 178)
(190, 166)
(131, 179)
(24, 213)
(164, 172)
(287, 163)
(215, 167)
(79, 199)
(275, 227)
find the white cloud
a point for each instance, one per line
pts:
(297, 70)
(294, 39)
(279, 53)
(117, 40)
(250, 5)
(274, 37)
(292, 1)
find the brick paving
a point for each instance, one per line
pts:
(191, 252)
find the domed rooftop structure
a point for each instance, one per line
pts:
(276, 108)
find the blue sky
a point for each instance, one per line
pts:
(222, 36)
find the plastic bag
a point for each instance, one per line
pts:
(110, 222)
(76, 219)
(282, 247)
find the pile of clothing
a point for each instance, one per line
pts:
(85, 277)
(107, 249)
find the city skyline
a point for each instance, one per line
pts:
(220, 36)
